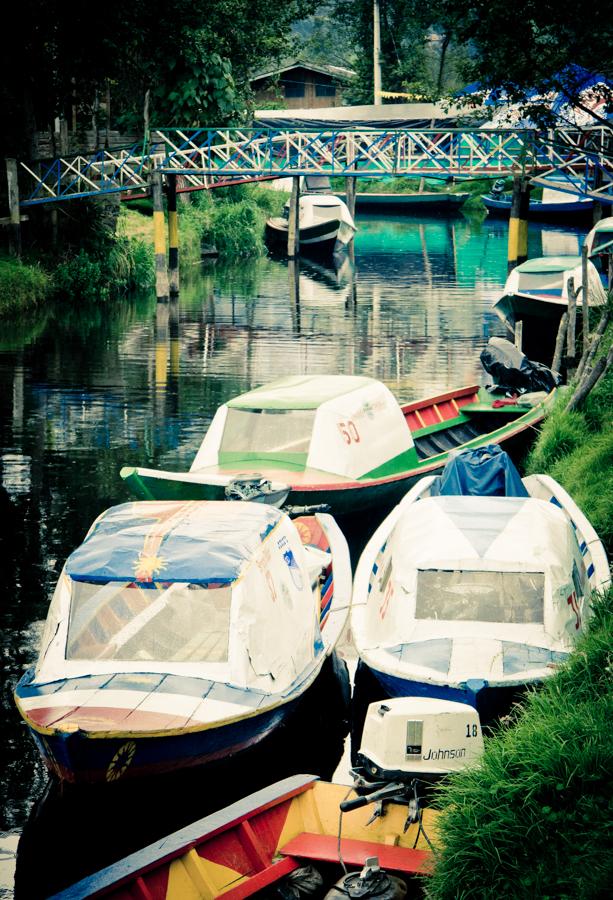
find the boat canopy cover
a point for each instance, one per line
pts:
(300, 392)
(485, 471)
(518, 533)
(341, 424)
(483, 560)
(196, 542)
(550, 275)
(600, 238)
(544, 264)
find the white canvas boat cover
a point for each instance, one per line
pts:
(550, 275)
(344, 425)
(218, 590)
(600, 238)
(474, 559)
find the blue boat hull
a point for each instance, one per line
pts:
(77, 758)
(575, 209)
(490, 702)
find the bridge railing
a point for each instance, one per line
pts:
(203, 156)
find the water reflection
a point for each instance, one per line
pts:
(84, 390)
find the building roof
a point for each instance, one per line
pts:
(388, 115)
(287, 65)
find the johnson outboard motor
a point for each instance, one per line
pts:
(407, 743)
(513, 371)
(497, 191)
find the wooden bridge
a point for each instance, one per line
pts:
(582, 160)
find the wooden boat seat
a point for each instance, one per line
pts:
(324, 848)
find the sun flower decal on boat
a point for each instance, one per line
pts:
(147, 566)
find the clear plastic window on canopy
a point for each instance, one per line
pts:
(267, 431)
(179, 622)
(462, 595)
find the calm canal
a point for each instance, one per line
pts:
(85, 390)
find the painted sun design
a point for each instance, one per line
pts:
(147, 566)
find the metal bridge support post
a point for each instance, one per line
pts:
(159, 240)
(15, 216)
(173, 234)
(518, 223)
(293, 229)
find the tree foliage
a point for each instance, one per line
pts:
(420, 54)
(191, 59)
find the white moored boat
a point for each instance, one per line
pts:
(180, 633)
(325, 224)
(476, 585)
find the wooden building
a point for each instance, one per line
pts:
(298, 84)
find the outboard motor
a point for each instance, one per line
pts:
(421, 738)
(497, 191)
(513, 371)
(256, 488)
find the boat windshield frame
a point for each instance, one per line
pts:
(511, 584)
(247, 431)
(107, 620)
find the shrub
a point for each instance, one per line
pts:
(21, 286)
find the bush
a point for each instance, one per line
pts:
(124, 264)
(22, 286)
(534, 818)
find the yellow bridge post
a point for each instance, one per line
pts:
(518, 223)
(159, 239)
(173, 234)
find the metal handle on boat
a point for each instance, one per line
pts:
(306, 510)
(384, 793)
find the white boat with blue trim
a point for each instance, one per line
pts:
(182, 632)
(476, 585)
(537, 290)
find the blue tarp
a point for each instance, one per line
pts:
(484, 472)
(161, 542)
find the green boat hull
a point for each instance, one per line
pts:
(342, 498)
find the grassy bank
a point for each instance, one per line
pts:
(229, 221)
(534, 820)
(119, 265)
(22, 286)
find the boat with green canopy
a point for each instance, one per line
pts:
(340, 440)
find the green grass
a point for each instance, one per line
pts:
(534, 818)
(23, 286)
(576, 449)
(119, 266)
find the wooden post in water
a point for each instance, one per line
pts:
(518, 223)
(173, 234)
(350, 192)
(15, 216)
(519, 334)
(524, 210)
(571, 328)
(585, 299)
(293, 229)
(159, 241)
(556, 364)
